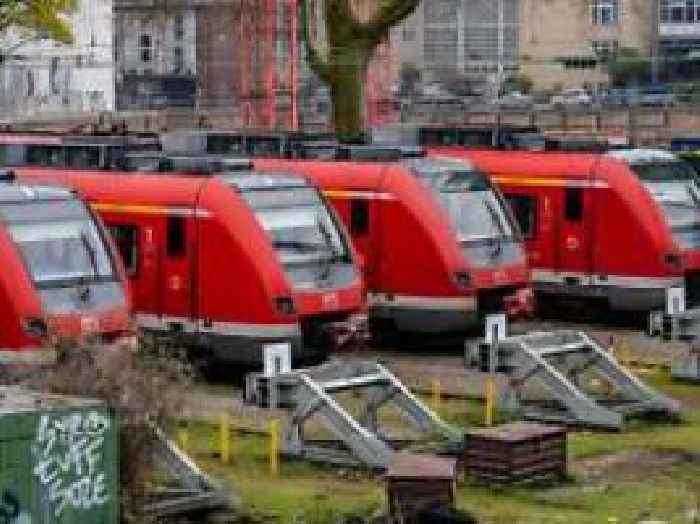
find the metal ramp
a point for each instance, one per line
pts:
(312, 393)
(567, 377)
(687, 367)
(196, 492)
(685, 327)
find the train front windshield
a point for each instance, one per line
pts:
(303, 231)
(474, 207)
(676, 187)
(65, 255)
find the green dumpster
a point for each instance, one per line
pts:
(59, 459)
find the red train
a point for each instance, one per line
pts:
(60, 278)
(599, 227)
(226, 263)
(440, 248)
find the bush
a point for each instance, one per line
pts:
(146, 388)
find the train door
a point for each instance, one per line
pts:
(572, 242)
(138, 247)
(178, 257)
(532, 210)
(359, 213)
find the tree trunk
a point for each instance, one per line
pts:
(347, 90)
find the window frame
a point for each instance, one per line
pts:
(359, 225)
(175, 227)
(132, 271)
(573, 204)
(605, 12)
(533, 213)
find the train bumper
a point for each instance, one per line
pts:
(425, 314)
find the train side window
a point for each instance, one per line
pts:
(176, 243)
(359, 216)
(573, 206)
(524, 209)
(126, 237)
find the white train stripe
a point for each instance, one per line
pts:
(587, 279)
(418, 302)
(238, 329)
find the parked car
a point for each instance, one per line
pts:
(514, 100)
(656, 96)
(619, 97)
(572, 97)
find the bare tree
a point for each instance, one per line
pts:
(351, 45)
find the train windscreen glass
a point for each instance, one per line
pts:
(474, 207)
(303, 231)
(477, 211)
(64, 253)
(676, 187)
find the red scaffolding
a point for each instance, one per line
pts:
(267, 53)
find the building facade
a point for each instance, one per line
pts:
(556, 43)
(42, 76)
(155, 45)
(564, 43)
(679, 38)
(463, 37)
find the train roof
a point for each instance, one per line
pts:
(643, 156)
(261, 180)
(528, 163)
(14, 192)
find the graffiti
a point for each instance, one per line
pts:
(11, 511)
(68, 460)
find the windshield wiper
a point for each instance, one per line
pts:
(495, 240)
(91, 254)
(298, 245)
(328, 238)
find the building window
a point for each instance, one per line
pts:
(179, 27)
(604, 49)
(145, 44)
(178, 61)
(679, 11)
(604, 12)
(53, 74)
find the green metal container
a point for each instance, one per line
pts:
(59, 460)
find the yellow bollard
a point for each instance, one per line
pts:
(274, 446)
(436, 390)
(490, 400)
(183, 437)
(225, 438)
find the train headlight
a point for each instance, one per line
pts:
(285, 305)
(463, 279)
(35, 327)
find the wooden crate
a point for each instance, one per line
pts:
(416, 483)
(516, 453)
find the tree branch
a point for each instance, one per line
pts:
(389, 14)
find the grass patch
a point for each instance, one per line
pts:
(637, 490)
